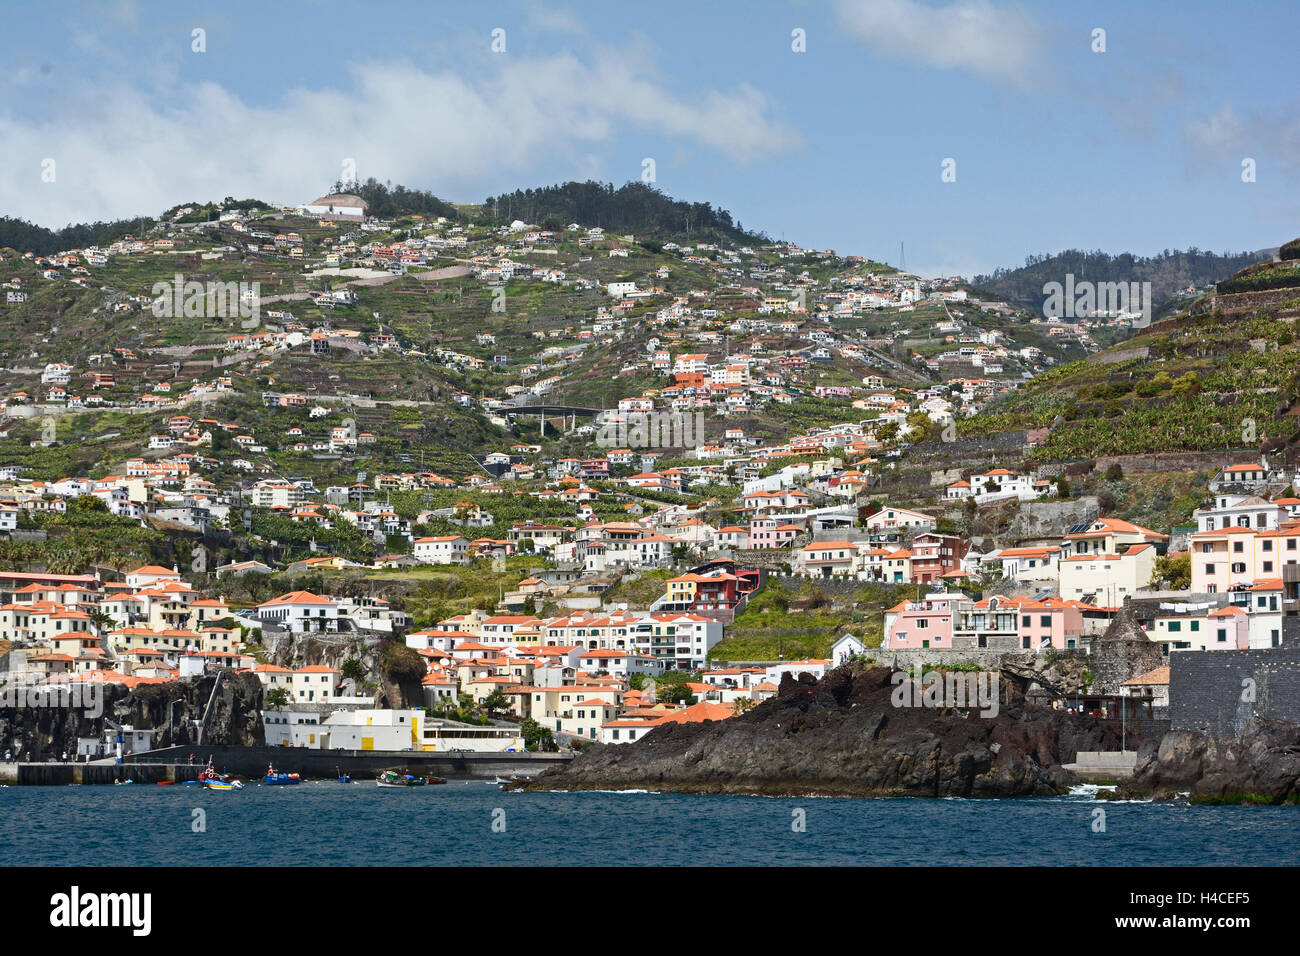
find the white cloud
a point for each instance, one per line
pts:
(1001, 43)
(123, 153)
(1272, 139)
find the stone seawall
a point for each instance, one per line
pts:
(1218, 692)
(251, 763)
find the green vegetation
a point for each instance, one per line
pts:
(633, 207)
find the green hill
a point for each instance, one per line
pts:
(1170, 273)
(1202, 379)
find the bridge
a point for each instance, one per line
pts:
(549, 410)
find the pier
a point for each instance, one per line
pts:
(250, 763)
(58, 774)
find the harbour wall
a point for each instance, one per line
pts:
(251, 762)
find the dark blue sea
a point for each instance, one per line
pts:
(469, 823)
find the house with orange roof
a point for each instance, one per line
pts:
(1153, 686)
(151, 574)
(1107, 577)
(300, 612)
(441, 549)
(1241, 477)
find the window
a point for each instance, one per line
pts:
(1045, 620)
(1174, 627)
(1223, 635)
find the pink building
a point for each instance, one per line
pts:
(1051, 622)
(920, 624)
(771, 533)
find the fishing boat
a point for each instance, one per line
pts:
(121, 783)
(211, 780)
(343, 777)
(391, 778)
(277, 779)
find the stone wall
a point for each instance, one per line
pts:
(1123, 355)
(1209, 693)
(990, 659)
(1249, 301)
(1039, 519)
(1122, 653)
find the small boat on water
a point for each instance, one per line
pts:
(211, 780)
(343, 777)
(391, 778)
(275, 778)
(121, 783)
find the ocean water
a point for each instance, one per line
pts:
(469, 823)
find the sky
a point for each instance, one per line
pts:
(962, 135)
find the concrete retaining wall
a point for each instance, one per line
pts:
(251, 762)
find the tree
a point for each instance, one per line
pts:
(495, 701)
(1172, 570)
(276, 697)
(536, 737)
(353, 670)
(1114, 472)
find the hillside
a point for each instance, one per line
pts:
(1222, 374)
(1174, 275)
(633, 207)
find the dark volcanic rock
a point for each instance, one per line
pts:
(1260, 766)
(843, 736)
(47, 732)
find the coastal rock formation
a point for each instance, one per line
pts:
(43, 730)
(1260, 766)
(843, 736)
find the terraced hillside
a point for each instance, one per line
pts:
(1223, 374)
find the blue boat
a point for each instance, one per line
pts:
(275, 779)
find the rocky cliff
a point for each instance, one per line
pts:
(843, 736)
(1260, 766)
(43, 730)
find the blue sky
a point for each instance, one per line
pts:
(1138, 148)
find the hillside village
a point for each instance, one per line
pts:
(614, 502)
